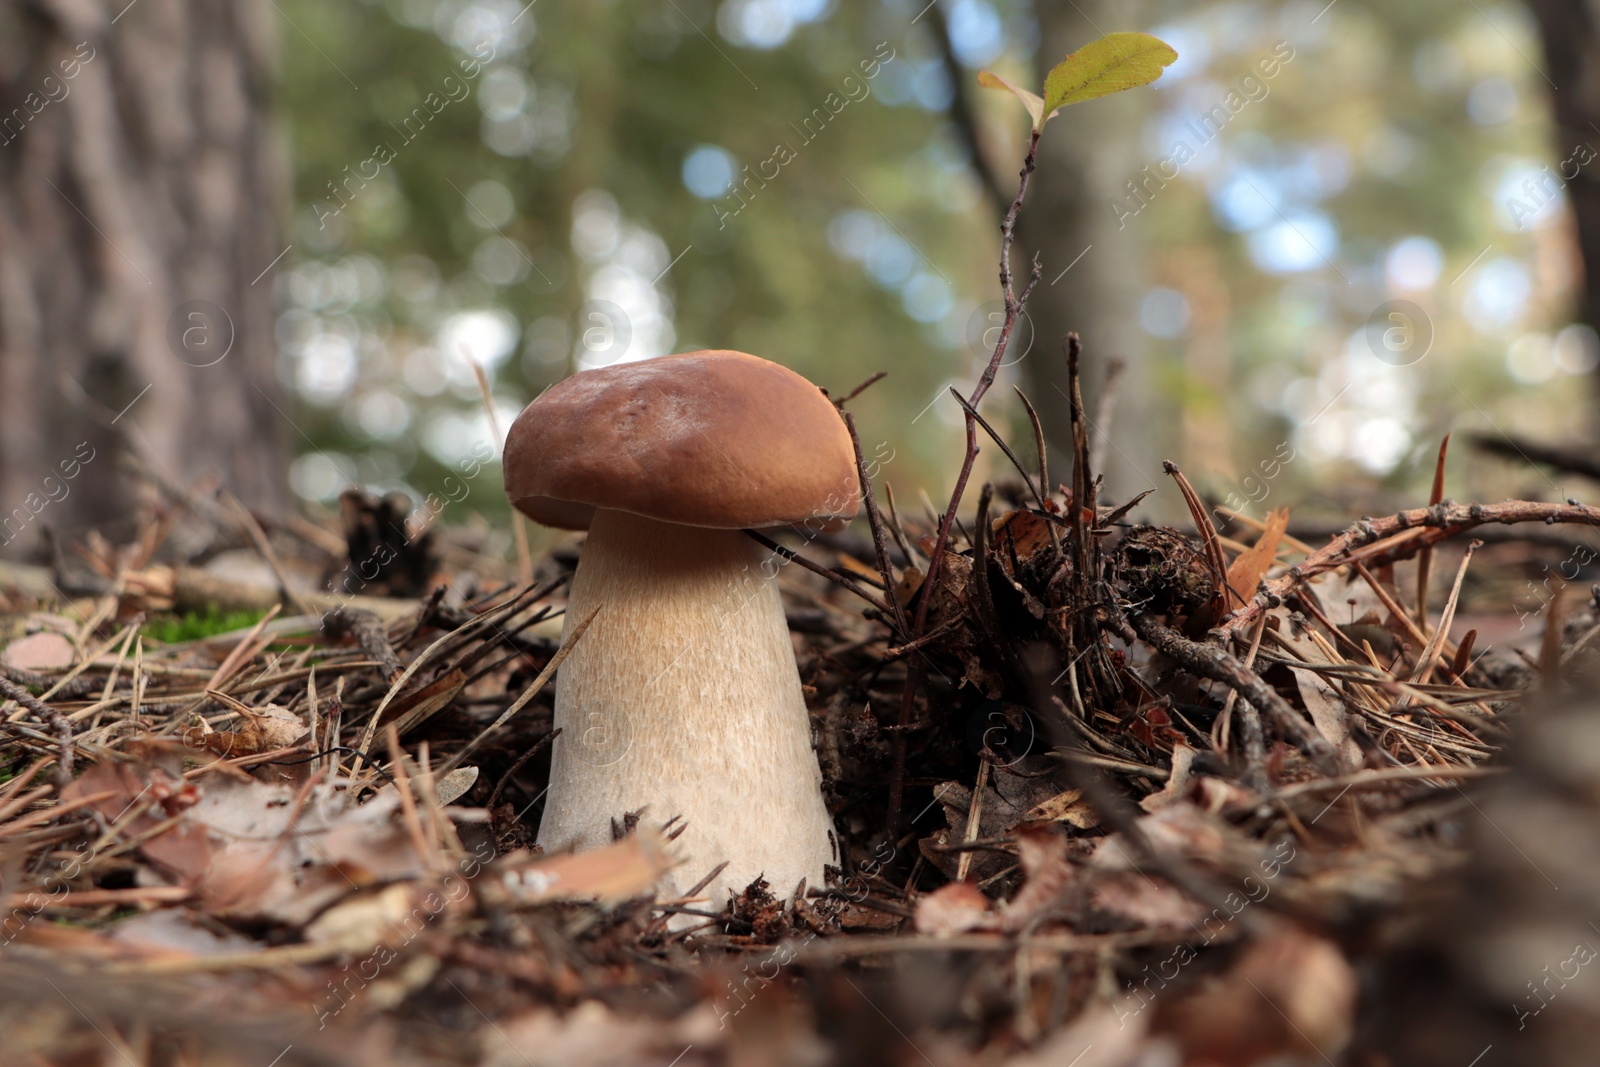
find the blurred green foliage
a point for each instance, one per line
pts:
(1374, 165)
(193, 625)
(599, 105)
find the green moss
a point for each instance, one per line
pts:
(193, 625)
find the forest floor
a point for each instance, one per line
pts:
(1154, 797)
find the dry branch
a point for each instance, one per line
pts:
(1427, 525)
(370, 634)
(52, 717)
(1211, 661)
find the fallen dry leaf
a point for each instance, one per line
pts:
(1100, 1037)
(44, 651)
(455, 785)
(265, 729)
(248, 848)
(855, 916)
(179, 932)
(1016, 536)
(368, 920)
(414, 709)
(1328, 710)
(592, 1035)
(1218, 796)
(449, 789)
(1148, 902)
(1180, 828)
(1289, 994)
(1251, 565)
(138, 798)
(956, 908)
(1067, 806)
(620, 871)
(1177, 784)
(1042, 855)
(905, 590)
(1329, 713)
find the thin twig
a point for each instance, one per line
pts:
(492, 616)
(1426, 526)
(519, 529)
(1044, 459)
(528, 694)
(880, 543)
(895, 528)
(1209, 661)
(1208, 533)
(370, 634)
(1014, 306)
(1254, 741)
(1105, 412)
(817, 568)
(858, 390)
(974, 819)
(538, 747)
(57, 721)
(258, 537)
(1425, 557)
(1423, 673)
(1005, 448)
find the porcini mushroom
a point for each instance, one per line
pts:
(683, 698)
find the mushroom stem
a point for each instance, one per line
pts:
(683, 699)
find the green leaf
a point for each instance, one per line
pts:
(1032, 101)
(1115, 62)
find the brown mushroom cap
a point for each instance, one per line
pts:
(717, 439)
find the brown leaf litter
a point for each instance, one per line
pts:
(1147, 803)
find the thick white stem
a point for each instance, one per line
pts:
(683, 698)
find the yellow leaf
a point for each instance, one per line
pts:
(1115, 62)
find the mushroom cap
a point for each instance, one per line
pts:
(717, 439)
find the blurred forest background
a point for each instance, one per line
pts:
(1330, 234)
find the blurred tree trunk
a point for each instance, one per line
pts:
(1086, 158)
(1570, 31)
(141, 192)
